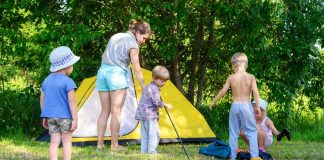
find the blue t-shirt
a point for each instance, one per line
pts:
(56, 87)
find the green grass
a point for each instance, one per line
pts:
(22, 148)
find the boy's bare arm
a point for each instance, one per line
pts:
(256, 95)
(73, 109)
(222, 92)
(41, 101)
(270, 125)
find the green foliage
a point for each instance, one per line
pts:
(194, 39)
(217, 119)
(20, 112)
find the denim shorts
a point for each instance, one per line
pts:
(110, 78)
(59, 125)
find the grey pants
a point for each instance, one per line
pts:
(150, 136)
(242, 117)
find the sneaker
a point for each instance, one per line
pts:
(279, 137)
(283, 133)
(286, 133)
(264, 155)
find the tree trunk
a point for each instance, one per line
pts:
(176, 72)
(194, 57)
(204, 60)
(201, 84)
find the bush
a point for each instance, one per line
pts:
(19, 112)
(217, 118)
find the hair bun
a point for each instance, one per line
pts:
(133, 21)
(132, 24)
(139, 26)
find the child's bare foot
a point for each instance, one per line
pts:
(243, 150)
(239, 150)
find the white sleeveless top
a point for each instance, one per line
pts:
(267, 131)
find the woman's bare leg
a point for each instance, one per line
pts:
(105, 100)
(117, 101)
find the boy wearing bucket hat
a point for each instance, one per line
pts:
(266, 128)
(57, 101)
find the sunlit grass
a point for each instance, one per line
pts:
(22, 148)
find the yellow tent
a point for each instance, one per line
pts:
(188, 121)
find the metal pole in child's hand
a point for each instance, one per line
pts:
(176, 132)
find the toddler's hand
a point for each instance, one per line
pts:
(169, 106)
(257, 112)
(45, 123)
(74, 125)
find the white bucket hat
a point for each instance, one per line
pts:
(263, 104)
(62, 57)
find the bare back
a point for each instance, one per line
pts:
(242, 85)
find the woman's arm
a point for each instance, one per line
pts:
(134, 55)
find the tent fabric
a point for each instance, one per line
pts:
(190, 124)
(90, 107)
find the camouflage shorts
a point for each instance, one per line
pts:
(59, 125)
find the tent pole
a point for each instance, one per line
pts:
(176, 132)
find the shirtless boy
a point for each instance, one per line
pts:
(241, 115)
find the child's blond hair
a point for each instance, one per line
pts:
(239, 59)
(160, 72)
